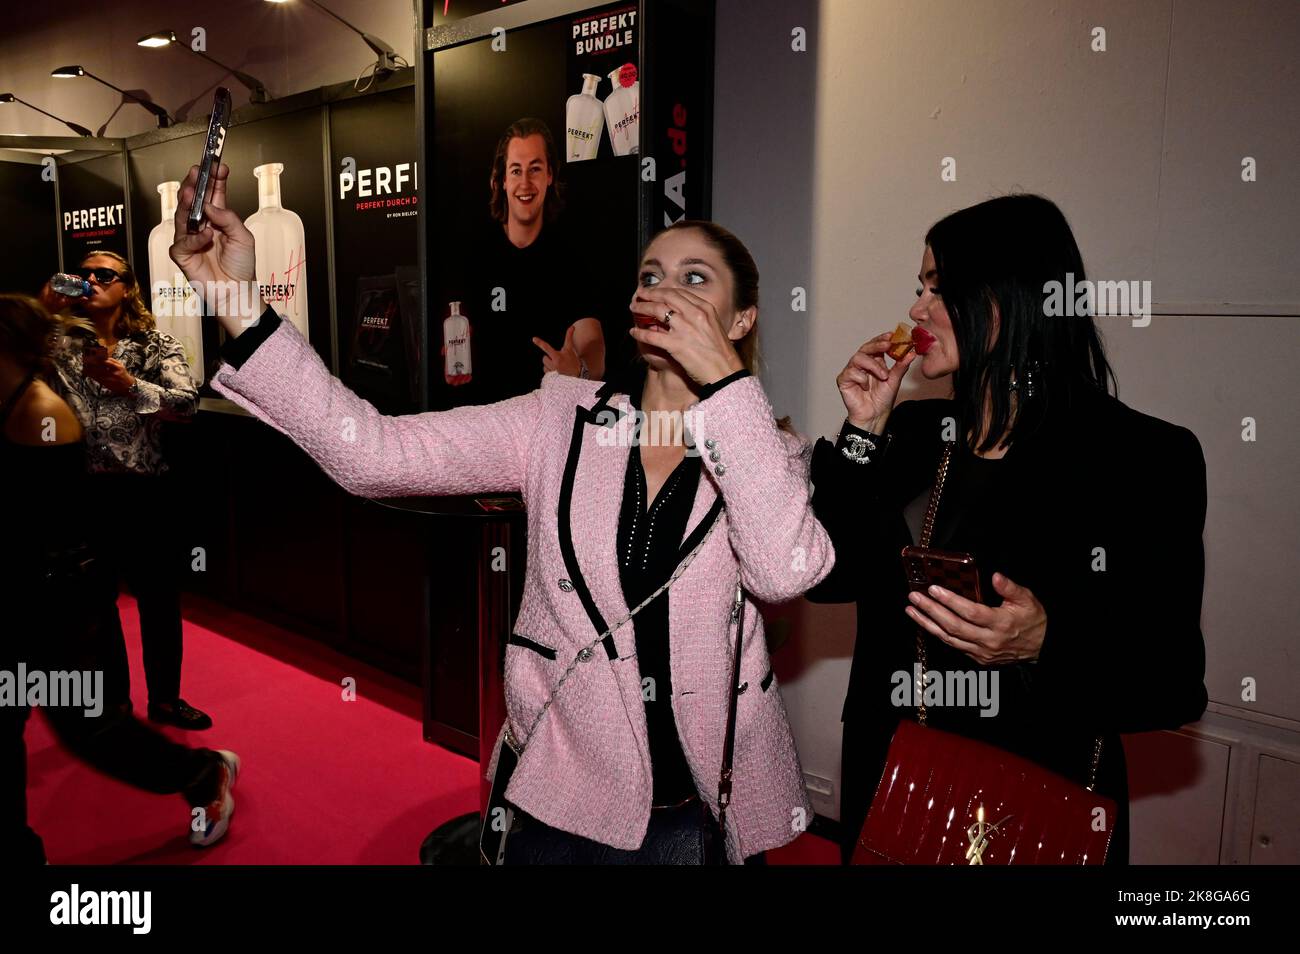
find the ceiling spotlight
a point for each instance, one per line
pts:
(157, 39)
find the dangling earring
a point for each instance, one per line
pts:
(1031, 379)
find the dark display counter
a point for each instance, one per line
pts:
(414, 586)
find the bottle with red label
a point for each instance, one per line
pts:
(623, 111)
(456, 366)
(281, 249)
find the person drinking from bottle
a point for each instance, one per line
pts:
(126, 383)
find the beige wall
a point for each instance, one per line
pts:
(828, 163)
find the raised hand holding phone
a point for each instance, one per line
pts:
(221, 251)
(213, 143)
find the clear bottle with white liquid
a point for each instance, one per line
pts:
(281, 249)
(175, 308)
(584, 118)
(623, 111)
(456, 365)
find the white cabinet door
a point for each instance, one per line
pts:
(1276, 836)
(1176, 793)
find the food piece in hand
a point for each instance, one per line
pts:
(900, 343)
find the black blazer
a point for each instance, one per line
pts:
(1123, 650)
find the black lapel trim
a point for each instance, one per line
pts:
(607, 391)
(599, 413)
(696, 535)
(517, 640)
(582, 417)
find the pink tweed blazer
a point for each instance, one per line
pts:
(586, 769)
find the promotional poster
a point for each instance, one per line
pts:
(377, 192)
(604, 118)
(92, 204)
(535, 164)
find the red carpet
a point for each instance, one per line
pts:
(324, 782)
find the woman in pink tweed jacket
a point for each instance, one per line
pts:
(586, 767)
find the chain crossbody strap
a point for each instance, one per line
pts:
(585, 653)
(729, 740)
(927, 531)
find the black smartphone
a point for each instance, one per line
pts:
(212, 146)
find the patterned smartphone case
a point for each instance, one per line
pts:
(953, 570)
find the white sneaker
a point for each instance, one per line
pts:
(217, 812)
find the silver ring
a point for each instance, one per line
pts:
(668, 316)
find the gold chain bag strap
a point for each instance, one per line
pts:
(927, 532)
(729, 741)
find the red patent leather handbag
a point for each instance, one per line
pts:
(948, 800)
(945, 799)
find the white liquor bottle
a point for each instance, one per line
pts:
(281, 249)
(623, 112)
(584, 119)
(175, 308)
(456, 366)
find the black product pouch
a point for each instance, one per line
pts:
(500, 815)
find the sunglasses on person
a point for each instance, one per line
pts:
(104, 275)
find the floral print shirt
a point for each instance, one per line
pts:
(124, 432)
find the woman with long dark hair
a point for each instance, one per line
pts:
(1084, 517)
(619, 725)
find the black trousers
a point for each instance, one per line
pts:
(142, 544)
(534, 842)
(56, 629)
